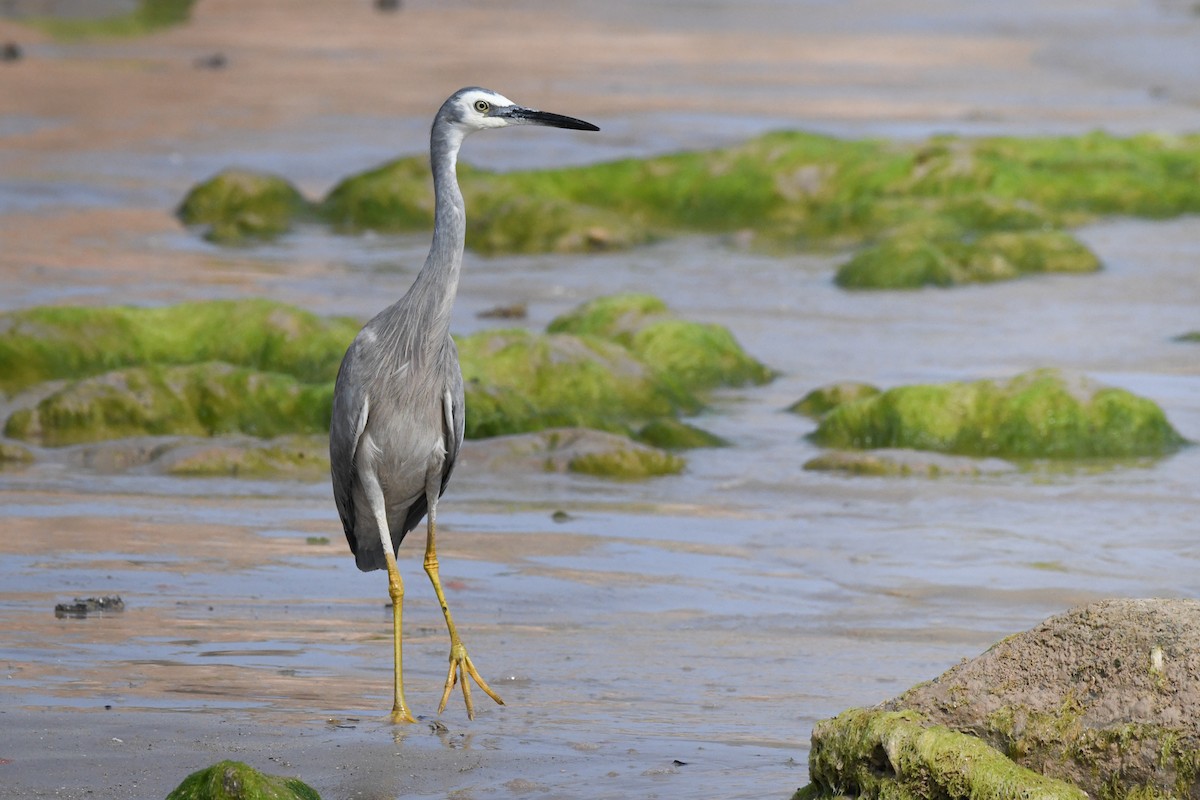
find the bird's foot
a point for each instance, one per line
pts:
(461, 669)
(400, 715)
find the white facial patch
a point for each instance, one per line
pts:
(483, 120)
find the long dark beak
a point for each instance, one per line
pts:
(529, 116)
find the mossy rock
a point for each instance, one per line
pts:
(197, 399)
(1104, 696)
(629, 463)
(285, 458)
(395, 197)
(239, 206)
(899, 755)
(904, 464)
(672, 434)
(908, 261)
(1038, 414)
(1192, 336)
(824, 399)
(519, 381)
(690, 355)
(233, 780)
(146, 17)
(532, 224)
(40, 344)
(12, 454)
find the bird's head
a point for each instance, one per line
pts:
(475, 109)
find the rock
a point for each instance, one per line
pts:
(195, 399)
(517, 381)
(820, 401)
(80, 607)
(671, 434)
(285, 458)
(905, 463)
(12, 454)
(394, 197)
(690, 355)
(233, 780)
(1039, 414)
(52, 342)
(240, 206)
(581, 450)
(1104, 697)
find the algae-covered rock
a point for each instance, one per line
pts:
(823, 399)
(904, 463)
(13, 454)
(519, 381)
(532, 224)
(233, 780)
(198, 399)
(1038, 414)
(1191, 336)
(394, 197)
(145, 16)
(283, 458)
(672, 434)
(898, 755)
(581, 450)
(238, 206)
(906, 260)
(691, 355)
(1105, 697)
(40, 344)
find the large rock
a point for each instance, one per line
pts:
(233, 780)
(1105, 698)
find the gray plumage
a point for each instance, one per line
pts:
(398, 411)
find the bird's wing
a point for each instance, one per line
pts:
(350, 409)
(455, 416)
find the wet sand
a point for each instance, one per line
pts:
(670, 638)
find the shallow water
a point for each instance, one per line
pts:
(709, 618)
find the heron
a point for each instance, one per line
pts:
(398, 408)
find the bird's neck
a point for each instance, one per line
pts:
(437, 284)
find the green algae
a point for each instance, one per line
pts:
(824, 399)
(287, 457)
(628, 463)
(1034, 415)
(197, 399)
(518, 381)
(240, 206)
(393, 198)
(907, 260)
(898, 755)
(692, 356)
(148, 16)
(11, 454)
(672, 434)
(234, 780)
(48, 343)
(1191, 336)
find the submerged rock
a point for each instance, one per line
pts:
(1037, 414)
(12, 454)
(671, 434)
(233, 780)
(905, 463)
(239, 206)
(824, 399)
(1105, 698)
(80, 607)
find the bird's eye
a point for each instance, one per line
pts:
(482, 106)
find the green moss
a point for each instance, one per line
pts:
(896, 755)
(639, 462)
(199, 399)
(288, 457)
(395, 197)
(690, 355)
(233, 780)
(1035, 415)
(671, 434)
(533, 224)
(147, 17)
(823, 399)
(40, 344)
(239, 206)
(11, 453)
(908, 260)
(1192, 336)
(519, 381)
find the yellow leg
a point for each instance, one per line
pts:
(460, 663)
(400, 712)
